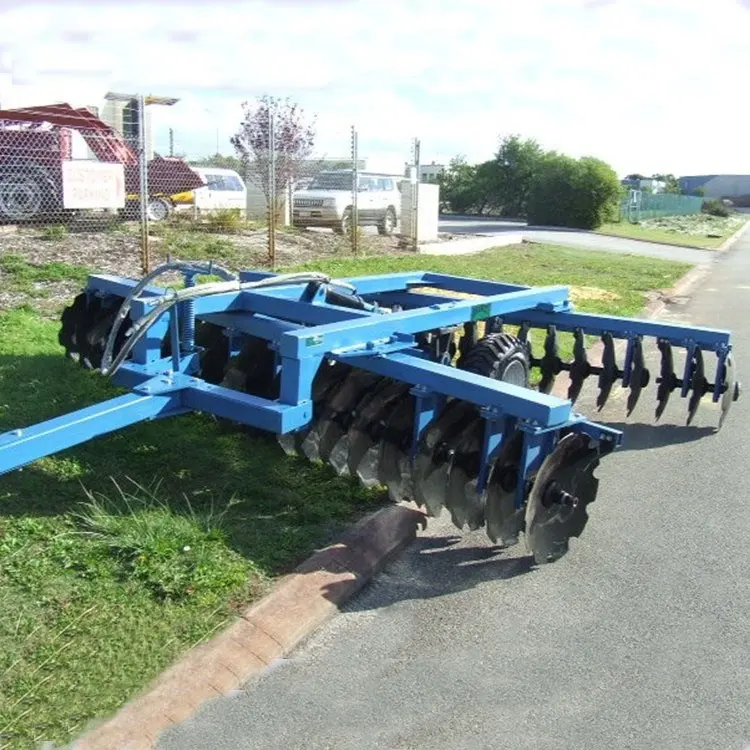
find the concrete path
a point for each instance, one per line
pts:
(636, 640)
(573, 238)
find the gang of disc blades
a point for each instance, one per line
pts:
(563, 488)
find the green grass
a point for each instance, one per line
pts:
(690, 231)
(118, 555)
(19, 275)
(624, 279)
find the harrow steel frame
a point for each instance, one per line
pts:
(370, 323)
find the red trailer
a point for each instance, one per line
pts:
(39, 178)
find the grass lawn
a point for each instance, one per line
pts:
(118, 555)
(700, 230)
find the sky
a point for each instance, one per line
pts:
(647, 86)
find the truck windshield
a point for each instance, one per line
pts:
(332, 181)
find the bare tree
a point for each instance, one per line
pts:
(282, 123)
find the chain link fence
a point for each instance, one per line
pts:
(275, 193)
(640, 206)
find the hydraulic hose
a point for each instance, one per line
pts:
(166, 302)
(207, 269)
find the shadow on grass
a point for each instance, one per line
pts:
(277, 508)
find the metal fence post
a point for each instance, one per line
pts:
(355, 191)
(415, 197)
(143, 185)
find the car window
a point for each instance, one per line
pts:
(232, 182)
(213, 181)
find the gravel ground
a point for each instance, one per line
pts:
(116, 250)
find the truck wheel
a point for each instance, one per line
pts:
(345, 225)
(159, 209)
(21, 197)
(388, 224)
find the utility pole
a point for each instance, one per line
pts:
(171, 142)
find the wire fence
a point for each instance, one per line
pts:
(267, 196)
(640, 206)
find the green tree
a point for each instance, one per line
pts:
(515, 166)
(671, 185)
(567, 192)
(458, 186)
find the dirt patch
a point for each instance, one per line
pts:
(581, 293)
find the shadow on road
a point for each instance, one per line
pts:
(436, 567)
(641, 436)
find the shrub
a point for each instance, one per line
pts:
(715, 207)
(567, 192)
(226, 220)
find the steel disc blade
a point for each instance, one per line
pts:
(394, 464)
(666, 377)
(729, 384)
(394, 472)
(550, 360)
(697, 385)
(580, 367)
(639, 375)
(72, 321)
(338, 458)
(368, 469)
(503, 520)
(563, 488)
(290, 443)
(609, 372)
(465, 508)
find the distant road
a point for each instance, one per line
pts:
(573, 238)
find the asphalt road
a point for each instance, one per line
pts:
(573, 238)
(638, 639)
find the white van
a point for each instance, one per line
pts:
(224, 188)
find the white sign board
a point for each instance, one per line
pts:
(93, 184)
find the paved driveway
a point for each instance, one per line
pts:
(636, 640)
(574, 238)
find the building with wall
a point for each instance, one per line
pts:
(734, 187)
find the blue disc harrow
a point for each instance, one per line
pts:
(417, 382)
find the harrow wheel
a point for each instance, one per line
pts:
(563, 488)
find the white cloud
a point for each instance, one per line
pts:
(647, 87)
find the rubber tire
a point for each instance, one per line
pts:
(345, 225)
(383, 225)
(492, 355)
(165, 204)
